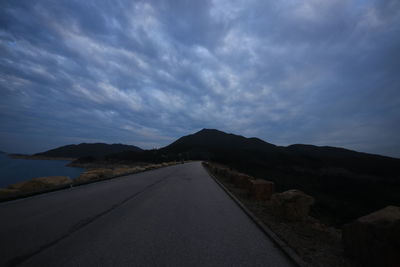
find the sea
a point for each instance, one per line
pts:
(18, 170)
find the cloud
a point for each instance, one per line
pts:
(147, 72)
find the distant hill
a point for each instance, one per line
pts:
(1, 152)
(86, 150)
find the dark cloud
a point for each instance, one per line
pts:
(147, 72)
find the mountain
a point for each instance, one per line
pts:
(86, 150)
(217, 145)
(214, 139)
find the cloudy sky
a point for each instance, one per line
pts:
(146, 72)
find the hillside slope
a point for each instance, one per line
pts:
(86, 149)
(334, 157)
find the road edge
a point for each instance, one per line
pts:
(290, 253)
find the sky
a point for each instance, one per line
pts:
(148, 72)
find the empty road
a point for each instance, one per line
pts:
(174, 216)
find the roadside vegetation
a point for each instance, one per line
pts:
(93, 174)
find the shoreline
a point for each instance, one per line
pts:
(33, 157)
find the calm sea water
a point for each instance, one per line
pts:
(17, 170)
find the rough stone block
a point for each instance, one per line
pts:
(292, 205)
(260, 189)
(374, 240)
(242, 180)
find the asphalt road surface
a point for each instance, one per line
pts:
(174, 216)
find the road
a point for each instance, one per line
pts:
(174, 216)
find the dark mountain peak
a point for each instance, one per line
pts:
(206, 131)
(87, 149)
(212, 139)
(215, 132)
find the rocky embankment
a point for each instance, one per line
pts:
(50, 183)
(372, 240)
